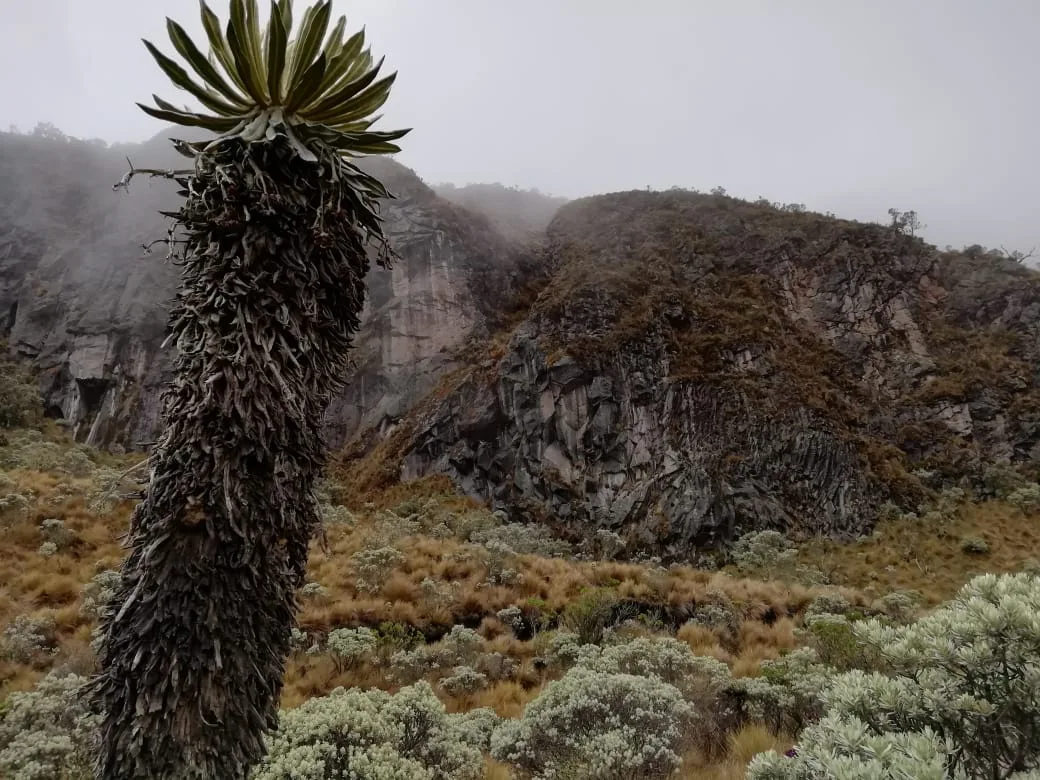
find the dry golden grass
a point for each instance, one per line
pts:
(52, 587)
(927, 556)
(902, 555)
(744, 745)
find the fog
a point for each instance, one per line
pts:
(853, 106)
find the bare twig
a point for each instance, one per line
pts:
(167, 173)
(1018, 256)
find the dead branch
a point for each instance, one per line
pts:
(167, 173)
(1018, 256)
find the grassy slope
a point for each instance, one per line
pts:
(901, 555)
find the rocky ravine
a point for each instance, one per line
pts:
(698, 367)
(86, 303)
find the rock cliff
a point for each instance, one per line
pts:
(87, 304)
(678, 367)
(698, 366)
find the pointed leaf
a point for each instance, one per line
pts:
(180, 78)
(251, 36)
(247, 69)
(276, 42)
(285, 9)
(305, 152)
(294, 44)
(186, 47)
(346, 65)
(349, 71)
(309, 85)
(308, 44)
(356, 108)
(344, 93)
(219, 47)
(217, 124)
(334, 43)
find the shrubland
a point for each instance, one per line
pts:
(438, 641)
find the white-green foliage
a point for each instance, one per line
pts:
(719, 613)
(53, 530)
(373, 565)
(437, 594)
(300, 641)
(46, 733)
(511, 616)
(765, 553)
(350, 646)
(563, 649)
(27, 639)
(496, 666)
(314, 590)
(900, 606)
(463, 681)
(372, 735)
(459, 647)
(605, 545)
(788, 694)
(701, 680)
(28, 449)
(592, 725)
(975, 545)
(523, 539)
(835, 641)
(20, 403)
(334, 514)
(669, 660)
(476, 726)
(1001, 479)
(110, 486)
(847, 749)
(1026, 498)
(498, 556)
(969, 671)
(99, 592)
(828, 604)
(13, 507)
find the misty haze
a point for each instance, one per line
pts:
(851, 107)
(584, 391)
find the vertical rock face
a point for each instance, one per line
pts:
(679, 367)
(699, 367)
(84, 301)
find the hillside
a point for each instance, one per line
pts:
(480, 624)
(696, 367)
(676, 367)
(552, 538)
(87, 304)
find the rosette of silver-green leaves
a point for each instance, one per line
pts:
(255, 84)
(311, 83)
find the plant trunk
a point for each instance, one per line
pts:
(196, 639)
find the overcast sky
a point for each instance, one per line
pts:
(853, 106)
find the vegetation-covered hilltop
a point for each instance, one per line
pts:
(694, 367)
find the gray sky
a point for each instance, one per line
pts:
(853, 106)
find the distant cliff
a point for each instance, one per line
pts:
(87, 303)
(698, 366)
(679, 367)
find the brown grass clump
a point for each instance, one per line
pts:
(926, 555)
(441, 579)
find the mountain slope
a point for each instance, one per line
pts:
(699, 366)
(85, 302)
